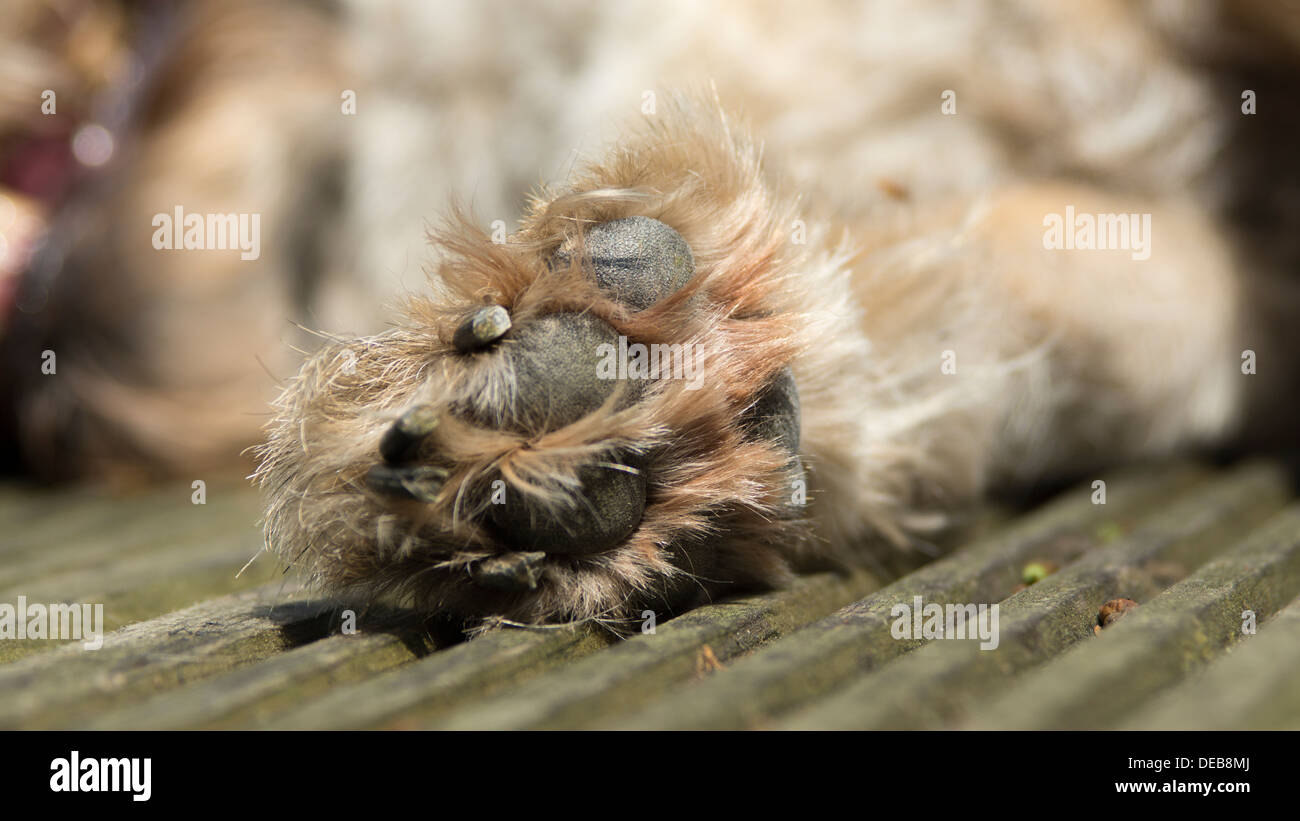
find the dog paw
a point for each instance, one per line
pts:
(596, 417)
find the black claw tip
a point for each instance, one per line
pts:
(401, 442)
(421, 483)
(481, 328)
(511, 572)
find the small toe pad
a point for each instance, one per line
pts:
(638, 260)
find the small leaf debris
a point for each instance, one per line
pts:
(1112, 611)
(1035, 572)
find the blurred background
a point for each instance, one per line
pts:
(347, 126)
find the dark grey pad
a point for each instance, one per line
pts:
(608, 509)
(639, 260)
(554, 363)
(774, 416)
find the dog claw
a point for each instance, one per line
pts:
(481, 328)
(511, 572)
(639, 260)
(401, 442)
(421, 483)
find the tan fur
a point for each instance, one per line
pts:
(840, 222)
(711, 515)
(891, 442)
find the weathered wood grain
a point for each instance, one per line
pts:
(133, 529)
(70, 685)
(828, 653)
(44, 514)
(605, 685)
(147, 595)
(250, 696)
(476, 669)
(935, 684)
(1100, 682)
(194, 645)
(1255, 686)
(136, 571)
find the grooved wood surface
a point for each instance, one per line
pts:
(197, 639)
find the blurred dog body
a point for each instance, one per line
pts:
(928, 136)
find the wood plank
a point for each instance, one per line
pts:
(476, 669)
(147, 594)
(70, 685)
(194, 552)
(1254, 687)
(606, 684)
(33, 507)
(250, 696)
(828, 653)
(937, 684)
(774, 660)
(132, 530)
(1100, 682)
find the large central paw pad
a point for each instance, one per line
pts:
(600, 516)
(550, 375)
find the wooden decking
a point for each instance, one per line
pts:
(196, 643)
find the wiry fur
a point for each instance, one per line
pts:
(891, 443)
(712, 515)
(923, 235)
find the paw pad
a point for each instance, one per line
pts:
(545, 374)
(638, 260)
(602, 515)
(775, 417)
(553, 366)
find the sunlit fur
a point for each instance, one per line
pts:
(891, 441)
(842, 221)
